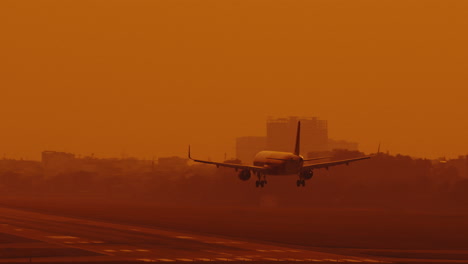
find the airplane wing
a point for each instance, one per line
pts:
(332, 163)
(229, 165)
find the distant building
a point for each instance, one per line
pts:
(248, 147)
(461, 164)
(342, 144)
(281, 134)
(172, 163)
(55, 162)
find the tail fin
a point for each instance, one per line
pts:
(298, 138)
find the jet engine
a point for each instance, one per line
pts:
(307, 174)
(244, 175)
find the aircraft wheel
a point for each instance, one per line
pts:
(298, 183)
(262, 183)
(303, 183)
(257, 183)
(265, 181)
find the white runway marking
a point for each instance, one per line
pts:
(271, 259)
(62, 237)
(126, 250)
(314, 260)
(97, 242)
(203, 259)
(109, 250)
(145, 260)
(370, 260)
(166, 260)
(142, 250)
(262, 250)
(243, 259)
(18, 229)
(352, 260)
(184, 237)
(184, 259)
(277, 250)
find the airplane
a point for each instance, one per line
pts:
(280, 163)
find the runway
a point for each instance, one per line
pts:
(39, 237)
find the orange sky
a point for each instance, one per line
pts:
(146, 78)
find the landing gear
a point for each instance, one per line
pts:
(261, 180)
(260, 184)
(300, 182)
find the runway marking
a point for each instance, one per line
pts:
(110, 250)
(62, 237)
(243, 259)
(184, 259)
(261, 250)
(277, 250)
(145, 260)
(330, 260)
(352, 260)
(293, 250)
(184, 237)
(134, 229)
(223, 259)
(166, 260)
(370, 260)
(314, 260)
(203, 259)
(97, 242)
(126, 250)
(18, 229)
(142, 250)
(83, 242)
(271, 259)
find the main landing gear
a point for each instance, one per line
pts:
(261, 180)
(300, 182)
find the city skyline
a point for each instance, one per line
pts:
(148, 79)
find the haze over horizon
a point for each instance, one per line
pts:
(146, 78)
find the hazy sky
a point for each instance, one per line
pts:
(146, 78)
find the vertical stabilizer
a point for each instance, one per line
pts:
(298, 139)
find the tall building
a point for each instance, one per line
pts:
(248, 147)
(281, 134)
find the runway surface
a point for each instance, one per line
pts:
(37, 237)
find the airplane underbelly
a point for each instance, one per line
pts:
(283, 170)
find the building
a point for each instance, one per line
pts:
(461, 164)
(248, 147)
(55, 162)
(281, 134)
(172, 163)
(342, 144)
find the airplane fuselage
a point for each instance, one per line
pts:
(279, 163)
